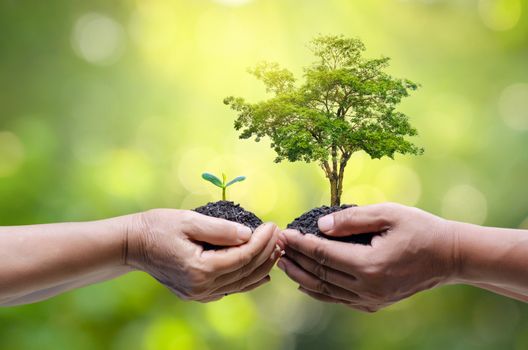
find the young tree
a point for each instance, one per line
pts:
(346, 104)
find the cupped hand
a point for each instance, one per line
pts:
(167, 244)
(414, 251)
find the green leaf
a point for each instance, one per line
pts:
(212, 179)
(236, 179)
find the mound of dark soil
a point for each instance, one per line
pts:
(307, 224)
(229, 211)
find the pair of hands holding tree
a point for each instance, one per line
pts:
(413, 252)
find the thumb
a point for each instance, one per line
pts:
(356, 220)
(215, 231)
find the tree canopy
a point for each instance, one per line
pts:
(345, 104)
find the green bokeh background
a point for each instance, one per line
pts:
(113, 107)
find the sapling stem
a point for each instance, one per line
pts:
(224, 186)
(222, 183)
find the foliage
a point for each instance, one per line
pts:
(346, 104)
(222, 183)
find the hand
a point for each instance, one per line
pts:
(414, 251)
(166, 244)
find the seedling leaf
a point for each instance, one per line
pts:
(212, 179)
(236, 179)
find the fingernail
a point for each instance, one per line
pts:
(244, 233)
(276, 253)
(281, 265)
(326, 223)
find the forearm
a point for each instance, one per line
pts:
(85, 280)
(493, 257)
(40, 261)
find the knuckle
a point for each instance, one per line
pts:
(244, 258)
(187, 217)
(243, 273)
(372, 272)
(323, 287)
(389, 211)
(320, 253)
(320, 271)
(197, 290)
(240, 285)
(374, 268)
(197, 279)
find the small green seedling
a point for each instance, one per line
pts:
(222, 184)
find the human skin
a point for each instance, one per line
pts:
(41, 261)
(415, 251)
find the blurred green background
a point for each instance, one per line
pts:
(113, 107)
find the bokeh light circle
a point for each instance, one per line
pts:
(500, 15)
(98, 39)
(239, 310)
(11, 153)
(189, 166)
(168, 332)
(465, 203)
(513, 106)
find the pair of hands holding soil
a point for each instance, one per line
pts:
(413, 251)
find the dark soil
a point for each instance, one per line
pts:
(307, 224)
(229, 211)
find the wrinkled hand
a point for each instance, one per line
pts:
(166, 243)
(414, 251)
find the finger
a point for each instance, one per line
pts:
(255, 285)
(249, 288)
(356, 220)
(363, 308)
(213, 230)
(232, 259)
(312, 283)
(262, 259)
(325, 273)
(341, 256)
(210, 299)
(321, 297)
(238, 285)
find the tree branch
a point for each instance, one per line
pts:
(326, 168)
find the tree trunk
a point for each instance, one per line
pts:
(341, 175)
(335, 173)
(335, 197)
